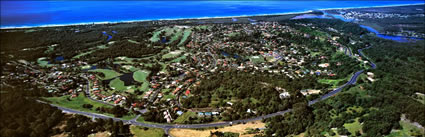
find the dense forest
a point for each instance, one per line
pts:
(254, 91)
(21, 115)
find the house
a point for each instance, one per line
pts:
(207, 113)
(230, 103)
(324, 65)
(187, 92)
(179, 112)
(167, 116)
(306, 92)
(284, 95)
(370, 76)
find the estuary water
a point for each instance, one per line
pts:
(50, 13)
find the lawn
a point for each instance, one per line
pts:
(150, 132)
(77, 102)
(132, 41)
(353, 127)
(155, 36)
(82, 54)
(168, 32)
(109, 74)
(175, 36)
(42, 62)
(203, 27)
(140, 75)
(186, 34)
(257, 59)
(50, 49)
(334, 82)
(142, 120)
(421, 98)
(145, 86)
(128, 117)
(172, 54)
(178, 59)
(407, 130)
(117, 84)
(184, 117)
(102, 46)
(129, 68)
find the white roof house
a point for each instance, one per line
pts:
(284, 95)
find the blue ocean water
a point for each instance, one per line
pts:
(41, 13)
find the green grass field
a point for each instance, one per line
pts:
(91, 50)
(142, 120)
(140, 75)
(353, 127)
(145, 86)
(175, 36)
(155, 36)
(174, 32)
(184, 117)
(130, 68)
(76, 103)
(117, 84)
(172, 54)
(203, 27)
(178, 59)
(42, 62)
(186, 34)
(421, 98)
(132, 41)
(102, 46)
(150, 132)
(82, 54)
(257, 59)
(107, 72)
(408, 130)
(128, 117)
(334, 82)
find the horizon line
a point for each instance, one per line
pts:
(169, 19)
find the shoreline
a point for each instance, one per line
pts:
(195, 18)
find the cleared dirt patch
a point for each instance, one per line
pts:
(241, 128)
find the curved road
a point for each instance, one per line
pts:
(166, 127)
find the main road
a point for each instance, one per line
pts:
(166, 127)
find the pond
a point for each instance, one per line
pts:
(59, 58)
(127, 78)
(164, 40)
(227, 54)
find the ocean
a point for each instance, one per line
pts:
(50, 13)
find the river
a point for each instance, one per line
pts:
(326, 15)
